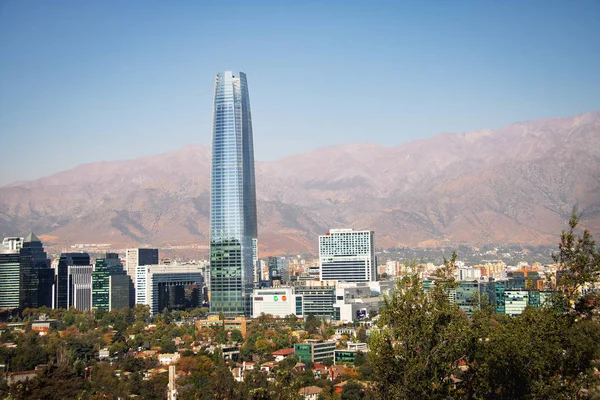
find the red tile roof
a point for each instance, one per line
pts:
(284, 352)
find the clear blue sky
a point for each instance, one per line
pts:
(84, 81)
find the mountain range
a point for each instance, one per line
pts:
(514, 185)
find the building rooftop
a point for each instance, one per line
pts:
(310, 390)
(31, 238)
(284, 352)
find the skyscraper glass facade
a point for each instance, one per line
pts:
(233, 227)
(36, 276)
(9, 276)
(105, 268)
(62, 287)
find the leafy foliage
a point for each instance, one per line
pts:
(427, 348)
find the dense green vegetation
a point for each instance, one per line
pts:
(428, 348)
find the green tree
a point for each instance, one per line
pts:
(222, 386)
(361, 335)
(236, 336)
(421, 342)
(167, 345)
(578, 261)
(352, 390)
(312, 324)
(291, 320)
(141, 312)
(359, 358)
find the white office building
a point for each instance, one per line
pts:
(347, 255)
(279, 302)
(12, 244)
(467, 274)
(137, 257)
(79, 294)
(355, 301)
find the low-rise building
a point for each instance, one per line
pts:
(310, 392)
(278, 301)
(229, 352)
(228, 324)
(103, 353)
(168, 358)
(315, 350)
(280, 355)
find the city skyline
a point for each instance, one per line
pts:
(94, 74)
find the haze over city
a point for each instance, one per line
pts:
(98, 81)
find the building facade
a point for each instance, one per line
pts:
(80, 287)
(315, 350)
(12, 244)
(62, 287)
(233, 227)
(168, 286)
(279, 302)
(355, 301)
(36, 276)
(317, 300)
(105, 268)
(348, 256)
(119, 292)
(10, 268)
(137, 257)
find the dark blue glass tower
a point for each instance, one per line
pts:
(36, 276)
(233, 228)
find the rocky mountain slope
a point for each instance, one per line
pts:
(517, 185)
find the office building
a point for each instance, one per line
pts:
(36, 276)
(10, 269)
(105, 268)
(137, 257)
(467, 295)
(345, 356)
(61, 286)
(233, 227)
(279, 302)
(275, 265)
(228, 324)
(355, 301)
(12, 244)
(315, 350)
(347, 255)
(494, 290)
(80, 287)
(515, 301)
(168, 286)
(278, 270)
(119, 292)
(468, 274)
(316, 300)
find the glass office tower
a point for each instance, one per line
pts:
(105, 268)
(10, 269)
(233, 231)
(36, 276)
(62, 287)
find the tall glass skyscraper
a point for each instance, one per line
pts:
(36, 276)
(233, 231)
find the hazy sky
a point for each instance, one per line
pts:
(84, 81)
